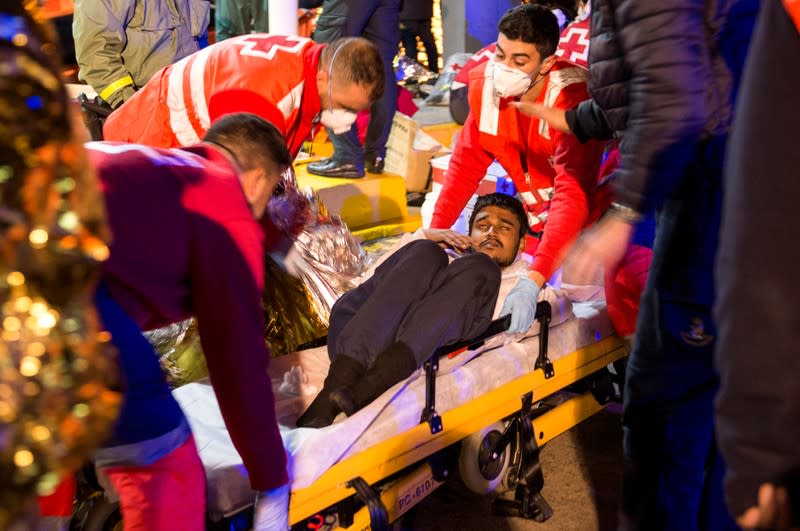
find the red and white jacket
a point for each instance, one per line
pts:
(172, 109)
(561, 172)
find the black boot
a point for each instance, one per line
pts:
(373, 163)
(344, 372)
(393, 365)
(335, 168)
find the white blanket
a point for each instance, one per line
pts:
(312, 452)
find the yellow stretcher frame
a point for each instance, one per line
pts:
(406, 449)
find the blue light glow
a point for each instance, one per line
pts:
(34, 103)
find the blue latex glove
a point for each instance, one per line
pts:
(272, 510)
(521, 304)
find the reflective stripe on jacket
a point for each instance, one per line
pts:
(173, 108)
(120, 44)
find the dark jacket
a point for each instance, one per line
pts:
(758, 405)
(377, 20)
(417, 10)
(666, 61)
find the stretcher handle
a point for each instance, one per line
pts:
(498, 326)
(314, 343)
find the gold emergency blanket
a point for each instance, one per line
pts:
(180, 353)
(289, 311)
(58, 371)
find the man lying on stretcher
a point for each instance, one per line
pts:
(439, 289)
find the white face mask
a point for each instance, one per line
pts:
(510, 82)
(337, 120)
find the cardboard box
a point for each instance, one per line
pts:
(409, 151)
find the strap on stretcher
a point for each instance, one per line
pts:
(378, 515)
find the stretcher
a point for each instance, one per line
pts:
(484, 412)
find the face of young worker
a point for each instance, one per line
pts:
(496, 231)
(518, 66)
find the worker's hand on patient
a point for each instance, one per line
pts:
(603, 246)
(272, 509)
(555, 118)
(521, 304)
(450, 238)
(773, 511)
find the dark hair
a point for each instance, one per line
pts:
(255, 142)
(533, 24)
(510, 203)
(568, 7)
(357, 61)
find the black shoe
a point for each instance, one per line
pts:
(344, 372)
(374, 164)
(394, 364)
(320, 413)
(343, 399)
(333, 168)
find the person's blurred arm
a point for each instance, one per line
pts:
(586, 121)
(576, 167)
(98, 28)
(227, 281)
(665, 46)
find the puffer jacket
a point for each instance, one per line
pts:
(120, 44)
(417, 10)
(668, 62)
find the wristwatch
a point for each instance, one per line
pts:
(625, 213)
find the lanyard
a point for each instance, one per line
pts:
(523, 155)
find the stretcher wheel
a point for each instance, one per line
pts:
(479, 472)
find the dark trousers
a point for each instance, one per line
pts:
(673, 470)
(409, 31)
(459, 105)
(377, 21)
(240, 17)
(673, 473)
(418, 299)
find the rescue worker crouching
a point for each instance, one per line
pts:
(291, 81)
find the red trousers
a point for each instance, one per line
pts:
(55, 510)
(169, 494)
(624, 286)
